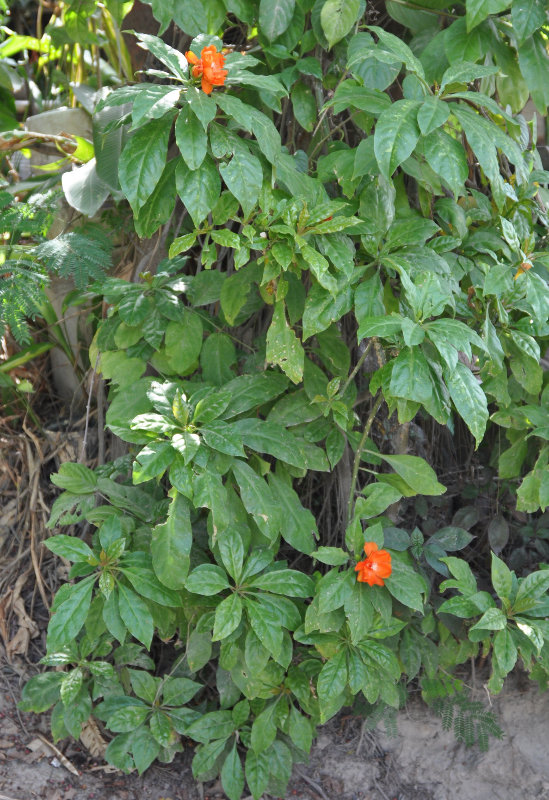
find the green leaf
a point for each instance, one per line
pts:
(70, 615)
(207, 579)
(334, 556)
(410, 376)
(222, 437)
(128, 717)
(379, 496)
(69, 547)
(173, 59)
(206, 755)
(332, 680)
(396, 135)
(232, 775)
(452, 538)
(152, 461)
(382, 657)
(171, 544)
(217, 358)
(478, 10)
(417, 473)
(191, 138)
(275, 16)
(393, 44)
(145, 748)
(214, 725)
(359, 611)
(301, 730)
(231, 549)
(257, 497)
(75, 478)
(492, 620)
(203, 107)
(199, 649)
(531, 588)
(135, 614)
(304, 105)
(285, 581)
(465, 72)
(198, 189)
(112, 618)
(469, 399)
(266, 625)
(263, 730)
(147, 584)
(159, 206)
(337, 18)
(432, 114)
(406, 585)
(283, 346)
(527, 17)
(117, 753)
(299, 526)
(505, 651)
(446, 156)
(502, 578)
(227, 617)
(533, 62)
(236, 290)
(333, 589)
(41, 692)
(187, 445)
(142, 161)
(144, 685)
(243, 177)
(257, 772)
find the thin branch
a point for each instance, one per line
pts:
(356, 464)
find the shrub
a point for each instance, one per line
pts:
(356, 225)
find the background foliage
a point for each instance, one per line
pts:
(352, 307)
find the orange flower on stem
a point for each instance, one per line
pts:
(375, 567)
(209, 66)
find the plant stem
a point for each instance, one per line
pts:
(365, 432)
(359, 363)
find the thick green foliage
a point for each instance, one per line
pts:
(386, 254)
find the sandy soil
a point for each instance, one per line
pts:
(347, 762)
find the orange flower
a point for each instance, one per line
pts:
(209, 66)
(376, 566)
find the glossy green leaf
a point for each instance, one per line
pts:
(275, 16)
(396, 135)
(227, 617)
(243, 177)
(469, 399)
(171, 544)
(135, 614)
(337, 18)
(142, 161)
(232, 775)
(191, 138)
(198, 189)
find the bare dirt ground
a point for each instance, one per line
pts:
(347, 762)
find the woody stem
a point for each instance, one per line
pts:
(358, 454)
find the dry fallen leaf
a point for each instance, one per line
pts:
(92, 739)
